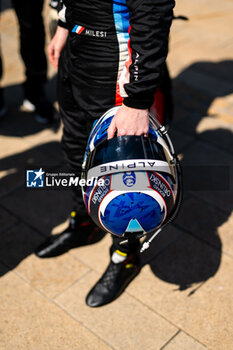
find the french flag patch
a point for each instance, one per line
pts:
(78, 29)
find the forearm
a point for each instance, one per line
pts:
(56, 45)
(150, 22)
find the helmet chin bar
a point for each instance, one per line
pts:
(163, 131)
(132, 236)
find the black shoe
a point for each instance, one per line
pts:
(79, 233)
(114, 280)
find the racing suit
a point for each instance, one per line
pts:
(115, 52)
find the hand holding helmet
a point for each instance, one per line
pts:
(142, 180)
(129, 121)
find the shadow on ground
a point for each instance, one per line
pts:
(27, 216)
(5, 5)
(189, 251)
(19, 123)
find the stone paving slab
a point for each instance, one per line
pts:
(223, 108)
(209, 129)
(124, 324)
(183, 342)
(208, 224)
(6, 220)
(17, 243)
(13, 167)
(208, 173)
(189, 103)
(95, 256)
(186, 295)
(180, 141)
(206, 36)
(31, 134)
(209, 8)
(183, 266)
(11, 146)
(44, 136)
(206, 84)
(30, 321)
(43, 209)
(216, 131)
(51, 276)
(193, 101)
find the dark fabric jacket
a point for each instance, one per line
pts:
(142, 25)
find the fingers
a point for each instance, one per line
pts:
(123, 132)
(53, 54)
(143, 132)
(50, 54)
(111, 130)
(56, 57)
(129, 121)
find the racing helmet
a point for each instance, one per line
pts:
(132, 183)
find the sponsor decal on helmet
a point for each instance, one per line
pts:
(122, 166)
(129, 179)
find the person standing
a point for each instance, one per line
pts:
(108, 53)
(32, 50)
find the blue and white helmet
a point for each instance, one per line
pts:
(131, 181)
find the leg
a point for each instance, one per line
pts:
(81, 230)
(123, 267)
(32, 42)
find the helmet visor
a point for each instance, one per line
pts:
(126, 148)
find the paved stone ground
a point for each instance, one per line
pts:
(182, 298)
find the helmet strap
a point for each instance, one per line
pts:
(132, 237)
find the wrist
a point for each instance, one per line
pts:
(134, 108)
(138, 103)
(61, 24)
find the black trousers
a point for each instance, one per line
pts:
(32, 43)
(80, 105)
